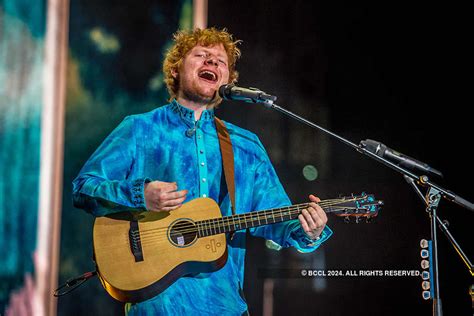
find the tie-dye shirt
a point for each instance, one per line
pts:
(167, 144)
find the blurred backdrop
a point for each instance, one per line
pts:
(393, 72)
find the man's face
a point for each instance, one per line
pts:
(203, 71)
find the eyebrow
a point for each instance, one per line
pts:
(219, 55)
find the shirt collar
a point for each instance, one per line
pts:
(188, 114)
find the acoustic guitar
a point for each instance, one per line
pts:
(139, 254)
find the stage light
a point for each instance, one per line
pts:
(425, 285)
(424, 243)
(426, 295)
(425, 264)
(424, 253)
(425, 275)
(310, 172)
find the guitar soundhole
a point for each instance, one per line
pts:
(182, 233)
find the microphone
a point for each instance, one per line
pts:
(397, 158)
(251, 95)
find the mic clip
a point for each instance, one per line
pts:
(190, 132)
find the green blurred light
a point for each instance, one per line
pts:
(310, 172)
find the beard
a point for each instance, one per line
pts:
(195, 94)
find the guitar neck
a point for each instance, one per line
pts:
(228, 224)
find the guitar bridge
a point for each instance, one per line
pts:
(135, 242)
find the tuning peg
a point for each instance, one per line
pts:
(368, 219)
(357, 220)
(347, 220)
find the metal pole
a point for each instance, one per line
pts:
(52, 150)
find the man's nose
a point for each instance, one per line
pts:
(211, 60)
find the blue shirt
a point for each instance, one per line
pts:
(167, 144)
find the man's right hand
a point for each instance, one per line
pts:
(163, 196)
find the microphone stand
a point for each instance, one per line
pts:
(443, 225)
(450, 196)
(434, 194)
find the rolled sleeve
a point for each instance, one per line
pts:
(301, 241)
(103, 185)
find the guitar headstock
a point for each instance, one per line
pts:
(356, 206)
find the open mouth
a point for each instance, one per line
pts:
(208, 75)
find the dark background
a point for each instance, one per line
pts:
(394, 72)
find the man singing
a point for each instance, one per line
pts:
(159, 160)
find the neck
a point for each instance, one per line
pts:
(197, 107)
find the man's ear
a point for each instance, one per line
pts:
(174, 73)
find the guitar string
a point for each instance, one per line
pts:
(227, 222)
(163, 236)
(324, 204)
(240, 218)
(191, 228)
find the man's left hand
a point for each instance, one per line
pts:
(313, 219)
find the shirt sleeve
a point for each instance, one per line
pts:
(268, 193)
(103, 186)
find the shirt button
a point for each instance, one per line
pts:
(204, 195)
(202, 163)
(201, 151)
(203, 179)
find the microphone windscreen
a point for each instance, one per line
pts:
(224, 91)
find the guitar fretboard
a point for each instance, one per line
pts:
(236, 222)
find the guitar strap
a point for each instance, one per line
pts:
(227, 159)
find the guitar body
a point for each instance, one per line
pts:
(139, 254)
